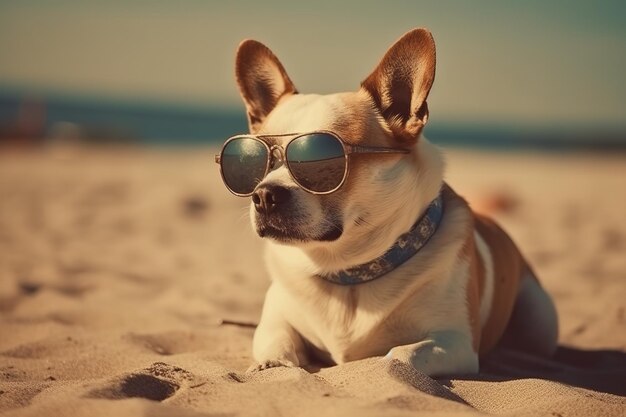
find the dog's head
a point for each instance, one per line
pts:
(389, 110)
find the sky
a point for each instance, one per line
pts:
(526, 63)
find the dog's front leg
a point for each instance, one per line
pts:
(441, 353)
(276, 342)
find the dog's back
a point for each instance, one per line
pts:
(508, 293)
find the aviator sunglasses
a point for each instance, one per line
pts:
(318, 162)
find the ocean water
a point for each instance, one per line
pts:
(98, 120)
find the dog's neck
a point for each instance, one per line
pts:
(404, 248)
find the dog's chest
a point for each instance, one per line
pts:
(340, 328)
(349, 324)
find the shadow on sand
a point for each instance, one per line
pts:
(598, 370)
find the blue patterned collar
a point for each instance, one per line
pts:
(402, 250)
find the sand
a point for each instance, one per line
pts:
(117, 265)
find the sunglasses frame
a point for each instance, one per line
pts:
(348, 149)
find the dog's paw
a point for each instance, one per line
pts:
(271, 363)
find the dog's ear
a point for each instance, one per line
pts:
(401, 82)
(262, 81)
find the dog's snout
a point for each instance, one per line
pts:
(268, 198)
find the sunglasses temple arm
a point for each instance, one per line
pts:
(368, 149)
(218, 159)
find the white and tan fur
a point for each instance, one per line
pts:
(442, 308)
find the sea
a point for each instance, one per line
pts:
(94, 119)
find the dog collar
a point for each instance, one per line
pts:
(407, 245)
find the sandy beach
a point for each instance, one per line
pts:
(118, 266)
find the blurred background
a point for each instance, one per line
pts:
(510, 75)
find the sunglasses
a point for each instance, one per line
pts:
(318, 162)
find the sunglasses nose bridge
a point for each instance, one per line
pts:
(277, 152)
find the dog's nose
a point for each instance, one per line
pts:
(267, 198)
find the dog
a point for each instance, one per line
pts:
(460, 286)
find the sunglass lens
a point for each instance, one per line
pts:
(244, 164)
(317, 161)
